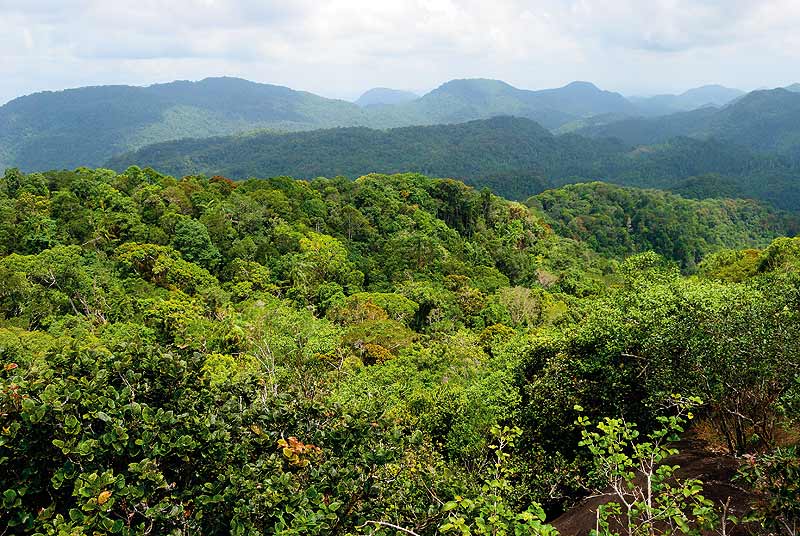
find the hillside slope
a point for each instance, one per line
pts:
(463, 100)
(700, 97)
(765, 121)
(84, 127)
(498, 146)
(619, 221)
(515, 157)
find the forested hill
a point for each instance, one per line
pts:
(502, 146)
(766, 121)
(618, 221)
(86, 126)
(464, 100)
(515, 157)
(279, 356)
(610, 220)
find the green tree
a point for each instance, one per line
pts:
(193, 241)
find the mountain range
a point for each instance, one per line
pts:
(86, 126)
(711, 95)
(465, 100)
(765, 120)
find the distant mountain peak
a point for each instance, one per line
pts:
(378, 96)
(709, 87)
(213, 80)
(474, 85)
(715, 92)
(474, 82)
(693, 99)
(225, 78)
(765, 94)
(583, 85)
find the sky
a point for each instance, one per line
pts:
(339, 48)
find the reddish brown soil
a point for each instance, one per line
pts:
(715, 470)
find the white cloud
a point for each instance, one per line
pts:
(340, 47)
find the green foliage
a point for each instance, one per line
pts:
(164, 267)
(194, 243)
(288, 357)
(621, 221)
(775, 477)
(128, 443)
(323, 260)
(730, 265)
(489, 513)
(363, 306)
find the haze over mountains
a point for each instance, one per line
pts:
(380, 96)
(766, 120)
(86, 126)
(711, 95)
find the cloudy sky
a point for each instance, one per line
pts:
(339, 48)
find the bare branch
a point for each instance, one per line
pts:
(391, 526)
